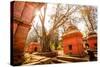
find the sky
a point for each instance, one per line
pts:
(51, 9)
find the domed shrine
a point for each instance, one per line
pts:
(72, 42)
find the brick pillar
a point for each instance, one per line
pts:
(19, 42)
(21, 18)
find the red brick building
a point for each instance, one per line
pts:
(92, 40)
(33, 47)
(72, 42)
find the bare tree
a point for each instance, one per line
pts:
(89, 15)
(59, 20)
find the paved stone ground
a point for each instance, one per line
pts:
(32, 59)
(73, 59)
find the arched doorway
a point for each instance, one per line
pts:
(35, 49)
(22, 14)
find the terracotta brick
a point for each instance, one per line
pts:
(14, 27)
(31, 47)
(74, 39)
(18, 8)
(28, 13)
(22, 16)
(21, 34)
(19, 44)
(92, 41)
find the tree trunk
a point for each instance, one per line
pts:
(45, 42)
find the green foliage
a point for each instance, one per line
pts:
(59, 47)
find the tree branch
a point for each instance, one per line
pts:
(36, 32)
(65, 16)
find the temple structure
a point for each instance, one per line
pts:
(72, 42)
(92, 40)
(33, 47)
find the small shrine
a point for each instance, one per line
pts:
(92, 40)
(33, 47)
(72, 42)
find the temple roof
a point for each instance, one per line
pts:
(92, 34)
(71, 30)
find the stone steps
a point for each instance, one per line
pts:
(59, 60)
(72, 59)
